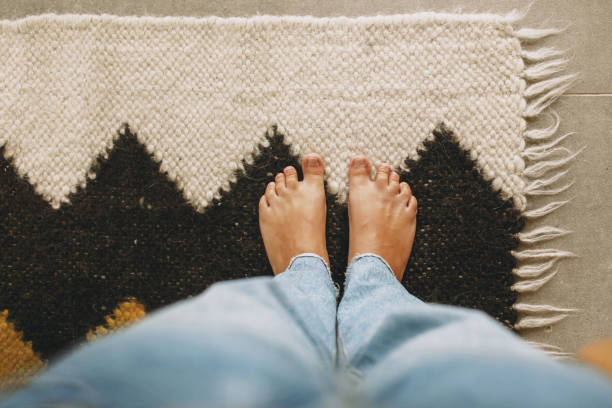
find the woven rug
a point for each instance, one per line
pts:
(135, 149)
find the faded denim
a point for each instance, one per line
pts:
(279, 342)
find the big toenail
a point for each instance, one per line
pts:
(359, 163)
(312, 162)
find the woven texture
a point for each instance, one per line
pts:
(197, 90)
(134, 150)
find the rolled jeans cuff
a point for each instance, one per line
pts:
(370, 259)
(312, 261)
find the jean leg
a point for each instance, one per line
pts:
(251, 342)
(415, 354)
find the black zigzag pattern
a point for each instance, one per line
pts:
(130, 233)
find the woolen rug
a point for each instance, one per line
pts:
(135, 149)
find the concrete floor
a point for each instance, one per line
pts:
(584, 282)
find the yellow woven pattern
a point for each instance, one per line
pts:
(125, 314)
(18, 361)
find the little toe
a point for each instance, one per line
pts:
(359, 170)
(271, 192)
(312, 165)
(263, 203)
(279, 180)
(383, 172)
(412, 205)
(291, 177)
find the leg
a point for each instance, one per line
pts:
(240, 343)
(254, 342)
(414, 354)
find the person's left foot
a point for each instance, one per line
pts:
(292, 214)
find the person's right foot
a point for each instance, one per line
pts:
(382, 215)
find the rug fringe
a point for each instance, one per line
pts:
(529, 308)
(530, 322)
(544, 93)
(534, 154)
(545, 147)
(551, 350)
(542, 54)
(544, 84)
(545, 69)
(543, 167)
(539, 183)
(546, 253)
(545, 209)
(533, 284)
(533, 271)
(544, 346)
(541, 234)
(535, 187)
(544, 133)
(534, 34)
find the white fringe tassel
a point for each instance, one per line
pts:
(546, 253)
(527, 308)
(544, 93)
(537, 266)
(532, 322)
(542, 150)
(546, 209)
(535, 187)
(543, 167)
(542, 54)
(533, 271)
(541, 234)
(545, 69)
(533, 284)
(553, 351)
(545, 133)
(533, 34)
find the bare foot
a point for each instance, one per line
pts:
(382, 215)
(292, 214)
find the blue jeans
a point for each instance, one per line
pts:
(280, 342)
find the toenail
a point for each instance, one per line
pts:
(312, 162)
(358, 163)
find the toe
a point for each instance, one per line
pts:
(412, 205)
(359, 170)
(312, 165)
(405, 192)
(291, 177)
(405, 189)
(383, 172)
(263, 203)
(279, 180)
(271, 192)
(394, 180)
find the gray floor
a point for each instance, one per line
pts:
(584, 282)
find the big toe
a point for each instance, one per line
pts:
(312, 165)
(359, 170)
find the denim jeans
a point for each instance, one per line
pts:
(280, 342)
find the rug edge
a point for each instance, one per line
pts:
(544, 80)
